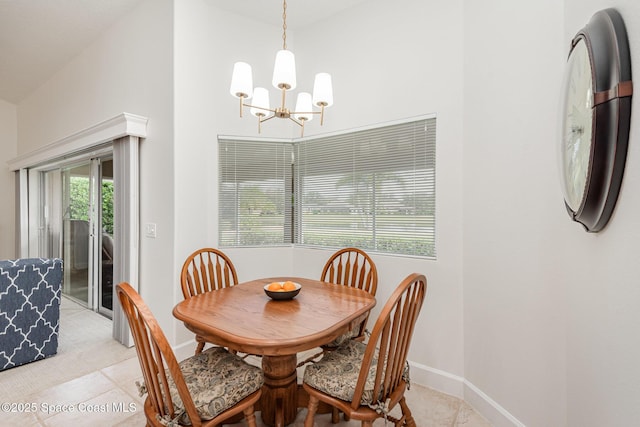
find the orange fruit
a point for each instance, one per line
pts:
(289, 286)
(275, 286)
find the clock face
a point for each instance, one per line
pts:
(577, 126)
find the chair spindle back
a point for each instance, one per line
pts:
(391, 337)
(351, 267)
(205, 270)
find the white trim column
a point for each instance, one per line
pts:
(22, 212)
(126, 226)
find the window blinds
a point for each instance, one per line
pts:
(254, 193)
(372, 189)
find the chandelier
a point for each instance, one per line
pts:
(284, 79)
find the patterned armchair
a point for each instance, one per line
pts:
(29, 310)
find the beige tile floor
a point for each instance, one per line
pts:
(107, 395)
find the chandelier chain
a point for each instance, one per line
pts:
(284, 25)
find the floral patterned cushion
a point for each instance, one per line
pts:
(343, 338)
(336, 374)
(217, 380)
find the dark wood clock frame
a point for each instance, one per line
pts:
(606, 39)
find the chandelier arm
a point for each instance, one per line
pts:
(261, 119)
(268, 118)
(298, 122)
(259, 108)
(305, 112)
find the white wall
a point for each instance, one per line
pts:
(129, 69)
(550, 310)
(514, 220)
(602, 287)
(8, 150)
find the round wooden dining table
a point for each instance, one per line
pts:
(244, 318)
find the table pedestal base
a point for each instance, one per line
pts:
(279, 402)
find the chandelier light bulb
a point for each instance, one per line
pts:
(303, 107)
(284, 70)
(323, 90)
(241, 80)
(260, 105)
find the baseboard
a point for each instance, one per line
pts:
(459, 387)
(489, 408)
(436, 379)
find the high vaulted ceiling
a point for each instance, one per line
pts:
(38, 37)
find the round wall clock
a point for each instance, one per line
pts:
(596, 115)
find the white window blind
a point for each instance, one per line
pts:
(254, 193)
(373, 189)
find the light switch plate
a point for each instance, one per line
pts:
(150, 230)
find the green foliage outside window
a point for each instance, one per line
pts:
(79, 201)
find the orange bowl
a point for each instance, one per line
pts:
(282, 294)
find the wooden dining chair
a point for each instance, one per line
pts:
(351, 267)
(203, 390)
(206, 270)
(367, 381)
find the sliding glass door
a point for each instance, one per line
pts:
(76, 231)
(82, 234)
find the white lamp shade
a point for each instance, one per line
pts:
(241, 80)
(303, 107)
(284, 70)
(260, 99)
(323, 90)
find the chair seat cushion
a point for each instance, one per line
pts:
(217, 380)
(336, 374)
(343, 338)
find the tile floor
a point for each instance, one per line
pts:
(107, 396)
